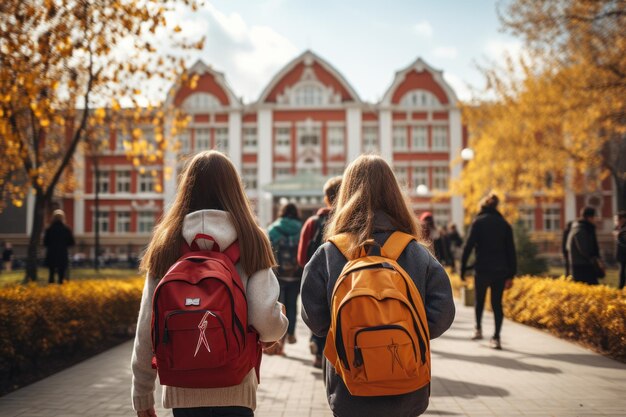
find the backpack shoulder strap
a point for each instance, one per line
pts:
(395, 245)
(342, 242)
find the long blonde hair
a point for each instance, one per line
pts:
(209, 181)
(368, 186)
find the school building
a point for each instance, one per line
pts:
(306, 126)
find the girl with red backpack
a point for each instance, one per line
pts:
(210, 213)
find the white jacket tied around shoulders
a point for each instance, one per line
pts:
(264, 314)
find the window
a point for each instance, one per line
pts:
(419, 98)
(145, 221)
(103, 221)
(308, 95)
(309, 136)
(419, 138)
(122, 181)
(184, 141)
(283, 140)
(122, 221)
(441, 216)
(370, 139)
(399, 138)
(221, 139)
(527, 218)
(102, 181)
(249, 139)
(440, 138)
(401, 175)
(551, 219)
(201, 101)
(203, 139)
(146, 183)
(420, 176)
(120, 137)
(440, 178)
(248, 175)
(336, 140)
(282, 172)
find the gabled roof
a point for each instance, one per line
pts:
(419, 66)
(308, 57)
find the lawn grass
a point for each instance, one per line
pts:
(15, 277)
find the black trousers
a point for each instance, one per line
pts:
(289, 291)
(213, 412)
(622, 275)
(497, 289)
(585, 273)
(58, 269)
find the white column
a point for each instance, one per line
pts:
(456, 143)
(354, 133)
(385, 136)
(234, 138)
(570, 199)
(79, 192)
(264, 164)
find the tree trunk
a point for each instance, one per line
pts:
(35, 237)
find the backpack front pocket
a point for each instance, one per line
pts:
(383, 353)
(195, 339)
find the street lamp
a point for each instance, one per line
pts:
(467, 154)
(283, 201)
(421, 189)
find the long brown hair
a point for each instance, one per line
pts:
(368, 186)
(209, 181)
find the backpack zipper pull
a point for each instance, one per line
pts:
(358, 357)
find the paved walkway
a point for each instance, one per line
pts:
(535, 375)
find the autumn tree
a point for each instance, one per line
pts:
(65, 68)
(557, 114)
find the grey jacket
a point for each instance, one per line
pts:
(318, 281)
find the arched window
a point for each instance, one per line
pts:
(308, 95)
(419, 98)
(201, 102)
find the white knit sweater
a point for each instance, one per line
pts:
(264, 314)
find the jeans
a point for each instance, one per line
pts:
(289, 291)
(497, 289)
(213, 412)
(320, 342)
(60, 270)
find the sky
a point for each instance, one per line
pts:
(366, 41)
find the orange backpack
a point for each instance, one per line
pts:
(378, 341)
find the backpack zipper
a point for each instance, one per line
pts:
(358, 355)
(174, 313)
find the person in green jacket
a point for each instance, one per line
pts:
(284, 235)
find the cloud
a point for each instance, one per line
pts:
(424, 29)
(446, 52)
(498, 49)
(460, 87)
(248, 55)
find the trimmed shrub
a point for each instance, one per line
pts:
(40, 322)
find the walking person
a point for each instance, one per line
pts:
(434, 237)
(57, 239)
(311, 238)
(210, 214)
(491, 236)
(583, 249)
(620, 242)
(371, 217)
(568, 227)
(7, 257)
(284, 234)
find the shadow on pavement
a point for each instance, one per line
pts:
(499, 362)
(444, 387)
(590, 359)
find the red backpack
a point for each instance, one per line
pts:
(200, 333)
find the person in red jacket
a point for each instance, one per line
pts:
(311, 238)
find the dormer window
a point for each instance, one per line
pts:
(308, 95)
(201, 102)
(419, 98)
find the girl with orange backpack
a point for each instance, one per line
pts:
(379, 296)
(211, 224)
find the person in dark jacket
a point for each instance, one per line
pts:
(583, 249)
(568, 269)
(434, 237)
(284, 236)
(620, 242)
(311, 238)
(496, 262)
(57, 239)
(370, 206)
